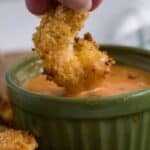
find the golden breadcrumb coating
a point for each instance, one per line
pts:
(16, 140)
(75, 63)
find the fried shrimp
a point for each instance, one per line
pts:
(72, 62)
(16, 140)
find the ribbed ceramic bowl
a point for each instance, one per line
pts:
(101, 123)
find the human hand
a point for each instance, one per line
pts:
(40, 6)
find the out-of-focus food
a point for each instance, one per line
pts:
(16, 140)
(5, 107)
(127, 80)
(6, 112)
(73, 62)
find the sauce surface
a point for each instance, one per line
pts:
(121, 79)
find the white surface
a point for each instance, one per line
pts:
(110, 23)
(16, 25)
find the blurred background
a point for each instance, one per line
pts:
(124, 22)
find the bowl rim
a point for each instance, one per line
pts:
(79, 108)
(33, 55)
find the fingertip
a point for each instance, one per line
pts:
(96, 3)
(37, 7)
(77, 4)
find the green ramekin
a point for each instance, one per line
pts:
(119, 122)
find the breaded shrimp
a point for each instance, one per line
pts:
(72, 62)
(16, 140)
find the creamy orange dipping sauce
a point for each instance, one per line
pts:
(121, 80)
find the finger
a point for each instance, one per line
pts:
(38, 6)
(95, 4)
(77, 4)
